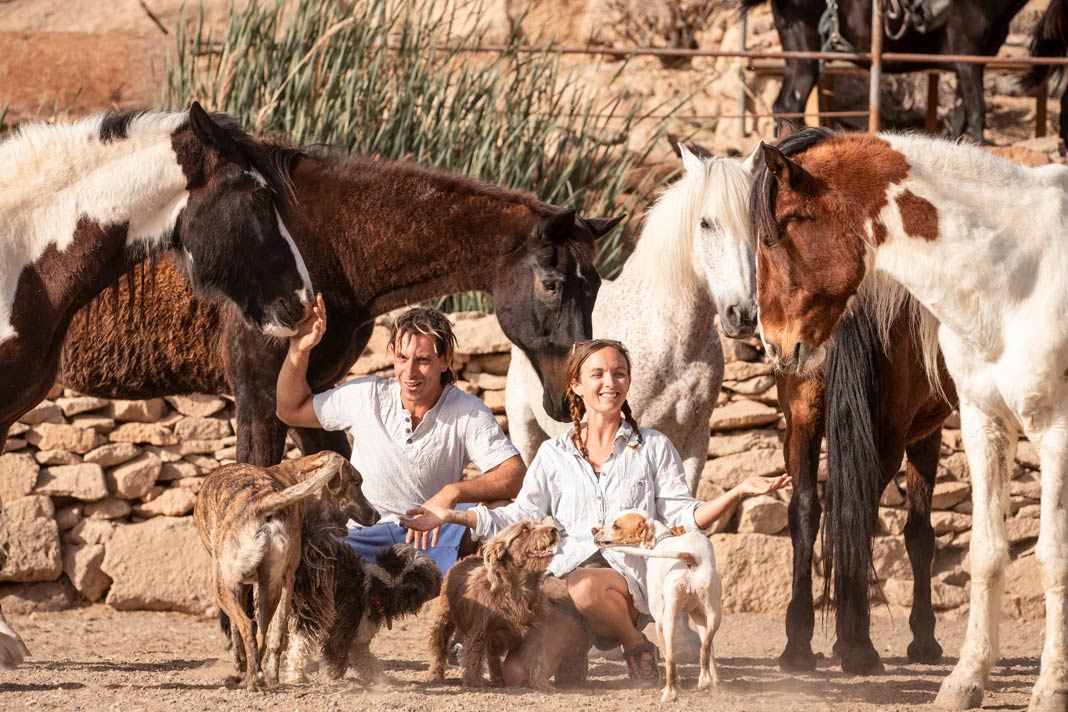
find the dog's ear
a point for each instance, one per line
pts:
(644, 533)
(493, 554)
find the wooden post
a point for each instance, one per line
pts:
(876, 64)
(930, 124)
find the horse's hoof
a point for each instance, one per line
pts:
(927, 653)
(798, 660)
(956, 697)
(1048, 701)
(670, 695)
(863, 660)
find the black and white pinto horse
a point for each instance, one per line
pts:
(82, 203)
(970, 27)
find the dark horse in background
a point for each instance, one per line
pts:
(972, 27)
(376, 236)
(876, 401)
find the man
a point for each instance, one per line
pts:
(412, 434)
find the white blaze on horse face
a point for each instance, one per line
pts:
(307, 291)
(52, 176)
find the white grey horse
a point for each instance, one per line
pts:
(694, 256)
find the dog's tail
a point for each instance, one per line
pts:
(328, 466)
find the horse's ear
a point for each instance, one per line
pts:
(215, 137)
(755, 161)
(558, 227)
(599, 227)
(785, 170)
(690, 162)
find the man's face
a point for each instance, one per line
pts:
(418, 368)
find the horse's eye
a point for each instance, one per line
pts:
(705, 225)
(551, 286)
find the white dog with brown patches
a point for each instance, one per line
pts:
(680, 577)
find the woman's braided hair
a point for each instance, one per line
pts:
(580, 351)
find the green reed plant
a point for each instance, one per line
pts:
(387, 78)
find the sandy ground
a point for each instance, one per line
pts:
(97, 659)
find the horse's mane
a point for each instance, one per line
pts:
(884, 296)
(663, 259)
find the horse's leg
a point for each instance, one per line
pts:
(1062, 120)
(920, 542)
(799, 78)
(1051, 690)
(990, 446)
(802, 403)
(313, 440)
(970, 86)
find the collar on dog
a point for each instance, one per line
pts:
(382, 611)
(666, 535)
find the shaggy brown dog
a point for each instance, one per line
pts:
(250, 520)
(497, 603)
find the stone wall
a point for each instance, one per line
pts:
(97, 495)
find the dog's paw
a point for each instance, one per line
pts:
(435, 676)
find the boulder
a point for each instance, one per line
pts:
(137, 411)
(743, 371)
(56, 457)
(68, 517)
(954, 467)
(90, 531)
(203, 463)
(49, 436)
(134, 479)
(891, 496)
(734, 443)
(764, 514)
(756, 572)
(29, 508)
(92, 421)
(202, 447)
(730, 470)
(31, 545)
(944, 522)
(489, 382)
(750, 387)
(159, 565)
(949, 493)
(197, 404)
(27, 598)
(108, 508)
(112, 454)
(151, 433)
(1024, 597)
(43, 412)
(177, 471)
(892, 521)
(742, 414)
(173, 502)
(735, 350)
(890, 558)
(496, 364)
(193, 484)
(1019, 528)
(81, 564)
(1027, 455)
(85, 482)
(18, 475)
(945, 597)
(494, 400)
(480, 335)
(80, 404)
(198, 428)
(14, 444)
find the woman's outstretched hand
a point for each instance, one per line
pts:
(763, 485)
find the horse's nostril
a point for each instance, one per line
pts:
(734, 315)
(773, 350)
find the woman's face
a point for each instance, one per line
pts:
(603, 382)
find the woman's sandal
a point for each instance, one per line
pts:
(642, 664)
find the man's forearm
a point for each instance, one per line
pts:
(502, 482)
(292, 388)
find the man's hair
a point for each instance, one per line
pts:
(428, 322)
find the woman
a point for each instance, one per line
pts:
(582, 479)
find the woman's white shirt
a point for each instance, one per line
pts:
(562, 484)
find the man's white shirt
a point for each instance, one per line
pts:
(403, 467)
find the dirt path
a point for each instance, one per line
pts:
(96, 659)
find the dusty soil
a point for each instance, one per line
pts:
(95, 658)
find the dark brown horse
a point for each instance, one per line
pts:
(874, 398)
(82, 203)
(375, 236)
(969, 27)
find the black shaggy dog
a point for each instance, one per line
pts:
(340, 602)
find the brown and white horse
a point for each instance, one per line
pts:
(81, 203)
(979, 242)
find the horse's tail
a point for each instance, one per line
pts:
(1050, 39)
(853, 465)
(749, 4)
